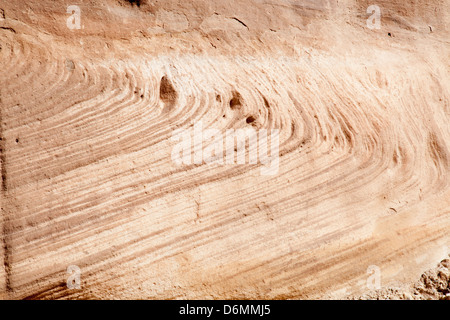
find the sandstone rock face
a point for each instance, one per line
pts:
(94, 93)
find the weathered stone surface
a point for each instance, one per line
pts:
(87, 118)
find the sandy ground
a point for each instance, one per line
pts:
(88, 117)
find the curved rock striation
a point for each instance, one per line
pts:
(89, 115)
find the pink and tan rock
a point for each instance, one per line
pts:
(87, 117)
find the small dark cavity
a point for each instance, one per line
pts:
(17, 140)
(167, 92)
(250, 119)
(389, 34)
(236, 100)
(135, 2)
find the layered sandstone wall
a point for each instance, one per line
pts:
(87, 123)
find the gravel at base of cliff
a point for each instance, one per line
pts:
(433, 285)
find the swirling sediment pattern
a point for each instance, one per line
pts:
(88, 178)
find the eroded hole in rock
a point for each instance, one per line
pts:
(236, 100)
(167, 92)
(137, 91)
(136, 2)
(250, 119)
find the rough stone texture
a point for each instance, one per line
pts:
(433, 285)
(86, 123)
